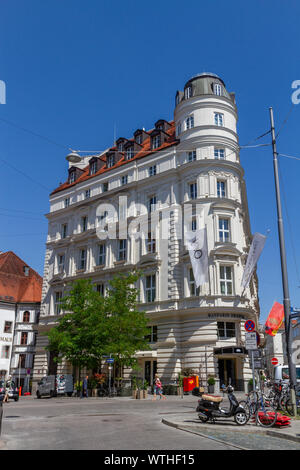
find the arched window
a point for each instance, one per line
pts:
(26, 317)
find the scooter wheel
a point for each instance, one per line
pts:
(241, 418)
(203, 419)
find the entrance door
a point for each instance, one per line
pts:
(227, 375)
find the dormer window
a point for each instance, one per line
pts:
(120, 143)
(121, 147)
(156, 141)
(110, 161)
(188, 92)
(129, 152)
(217, 89)
(72, 177)
(139, 139)
(140, 135)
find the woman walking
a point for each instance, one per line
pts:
(158, 388)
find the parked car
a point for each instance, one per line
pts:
(13, 391)
(53, 385)
(282, 373)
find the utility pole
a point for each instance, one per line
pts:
(286, 295)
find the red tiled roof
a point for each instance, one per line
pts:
(145, 150)
(15, 286)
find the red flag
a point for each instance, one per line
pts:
(274, 319)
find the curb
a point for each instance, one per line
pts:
(255, 430)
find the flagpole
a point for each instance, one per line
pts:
(286, 295)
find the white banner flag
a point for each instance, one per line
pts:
(196, 243)
(256, 248)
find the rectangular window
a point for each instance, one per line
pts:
(226, 280)
(152, 170)
(5, 352)
(93, 168)
(84, 221)
(64, 230)
(72, 177)
(224, 230)
(100, 288)
(178, 129)
(156, 141)
(129, 153)
(192, 285)
(105, 187)
(152, 204)
(219, 119)
(110, 161)
(67, 202)
(192, 156)
(226, 330)
(219, 154)
(151, 244)
(152, 336)
(24, 337)
(22, 361)
(102, 255)
(151, 288)
(124, 180)
(122, 250)
(189, 122)
(217, 89)
(57, 303)
(194, 224)
(82, 259)
(8, 327)
(188, 92)
(221, 188)
(61, 263)
(193, 190)
(87, 194)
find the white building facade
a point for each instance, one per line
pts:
(189, 169)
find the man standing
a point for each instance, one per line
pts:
(84, 392)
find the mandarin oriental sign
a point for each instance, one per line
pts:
(4, 338)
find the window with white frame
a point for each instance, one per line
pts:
(24, 338)
(219, 153)
(5, 352)
(101, 254)
(194, 224)
(129, 152)
(139, 139)
(193, 289)
(193, 190)
(151, 203)
(93, 168)
(100, 288)
(219, 119)
(152, 336)
(87, 194)
(192, 156)
(221, 188)
(57, 302)
(217, 89)
(8, 327)
(67, 202)
(82, 259)
(152, 170)
(178, 129)
(110, 161)
(226, 280)
(61, 263)
(188, 92)
(150, 290)
(151, 244)
(226, 330)
(72, 177)
(122, 250)
(121, 147)
(189, 122)
(26, 317)
(224, 230)
(156, 141)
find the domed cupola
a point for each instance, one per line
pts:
(205, 83)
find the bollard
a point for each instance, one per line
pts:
(20, 391)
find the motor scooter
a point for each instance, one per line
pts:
(209, 407)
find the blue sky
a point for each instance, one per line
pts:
(75, 70)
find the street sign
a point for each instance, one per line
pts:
(274, 361)
(251, 340)
(249, 325)
(110, 360)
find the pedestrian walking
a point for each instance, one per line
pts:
(84, 391)
(5, 399)
(158, 390)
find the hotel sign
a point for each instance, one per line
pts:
(4, 338)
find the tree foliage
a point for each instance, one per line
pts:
(93, 326)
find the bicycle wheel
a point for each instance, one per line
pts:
(266, 414)
(289, 407)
